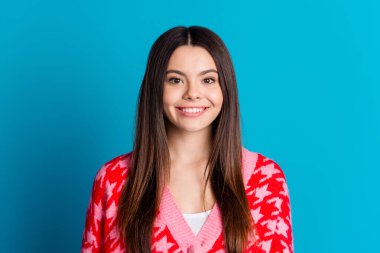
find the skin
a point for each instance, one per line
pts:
(191, 81)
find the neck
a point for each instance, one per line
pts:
(189, 147)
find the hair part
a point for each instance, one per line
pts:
(150, 165)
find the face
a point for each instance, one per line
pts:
(192, 95)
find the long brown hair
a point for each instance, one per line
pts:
(140, 197)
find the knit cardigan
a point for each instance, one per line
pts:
(266, 191)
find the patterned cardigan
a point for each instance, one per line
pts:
(267, 195)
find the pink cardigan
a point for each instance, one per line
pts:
(267, 195)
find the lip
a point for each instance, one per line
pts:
(191, 114)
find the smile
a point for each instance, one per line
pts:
(191, 111)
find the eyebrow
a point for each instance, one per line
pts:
(183, 74)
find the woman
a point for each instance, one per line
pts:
(189, 185)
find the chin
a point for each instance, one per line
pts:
(194, 128)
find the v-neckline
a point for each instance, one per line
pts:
(181, 231)
(212, 227)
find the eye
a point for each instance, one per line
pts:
(174, 80)
(209, 80)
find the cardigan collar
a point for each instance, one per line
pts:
(171, 215)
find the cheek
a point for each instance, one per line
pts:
(168, 97)
(216, 96)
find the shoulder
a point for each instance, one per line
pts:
(263, 175)
(113, 173)
(260, 168)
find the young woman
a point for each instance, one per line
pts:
(189, 185)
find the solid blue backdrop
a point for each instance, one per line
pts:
(309, 87)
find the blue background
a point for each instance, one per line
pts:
(309, 87)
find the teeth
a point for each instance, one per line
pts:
(192, 110)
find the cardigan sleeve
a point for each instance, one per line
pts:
(268, 196)
(282, 237)
(95, 216)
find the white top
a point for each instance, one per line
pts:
(196, 220)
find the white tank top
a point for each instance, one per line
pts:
(196, 220)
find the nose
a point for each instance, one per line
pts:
(192, 92)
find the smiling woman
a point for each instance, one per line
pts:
(189, 185)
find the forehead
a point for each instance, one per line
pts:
(191, 59)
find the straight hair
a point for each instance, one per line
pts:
(150, 164)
